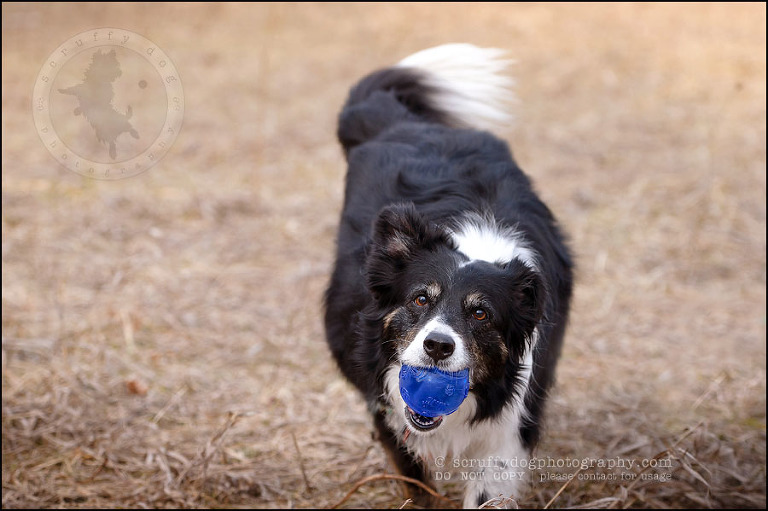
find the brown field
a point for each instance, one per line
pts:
(162, 340)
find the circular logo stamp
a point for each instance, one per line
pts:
(108, 103)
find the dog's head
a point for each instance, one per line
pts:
(454, 297)
(104, 67)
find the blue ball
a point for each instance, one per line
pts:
(431, 392)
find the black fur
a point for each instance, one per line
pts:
(412, 176)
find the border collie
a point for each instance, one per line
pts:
(446, 259)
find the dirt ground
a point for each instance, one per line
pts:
(162, 342)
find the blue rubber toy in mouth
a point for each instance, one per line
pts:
(430, 392)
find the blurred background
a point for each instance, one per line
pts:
(162, 340)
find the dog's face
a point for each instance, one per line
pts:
(104, 67)
(440, 308)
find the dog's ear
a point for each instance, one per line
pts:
(531, 295)
(528, 300)
(399, 232)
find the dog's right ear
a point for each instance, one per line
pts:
(399, 231)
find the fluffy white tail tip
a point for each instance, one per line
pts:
(471, 83)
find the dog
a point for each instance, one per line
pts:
(94, 96)
(446, 258)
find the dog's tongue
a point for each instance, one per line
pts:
(431, 393)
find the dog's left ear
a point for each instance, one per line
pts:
(532, 294)
(399, 232)
(528, 298)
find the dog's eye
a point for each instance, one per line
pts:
(480, 314)
(421, 300)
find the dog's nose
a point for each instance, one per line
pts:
(439, 346)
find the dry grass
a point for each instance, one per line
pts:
(162, 341)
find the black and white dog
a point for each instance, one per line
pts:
(446, 258)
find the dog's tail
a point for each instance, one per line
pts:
(458, 85)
